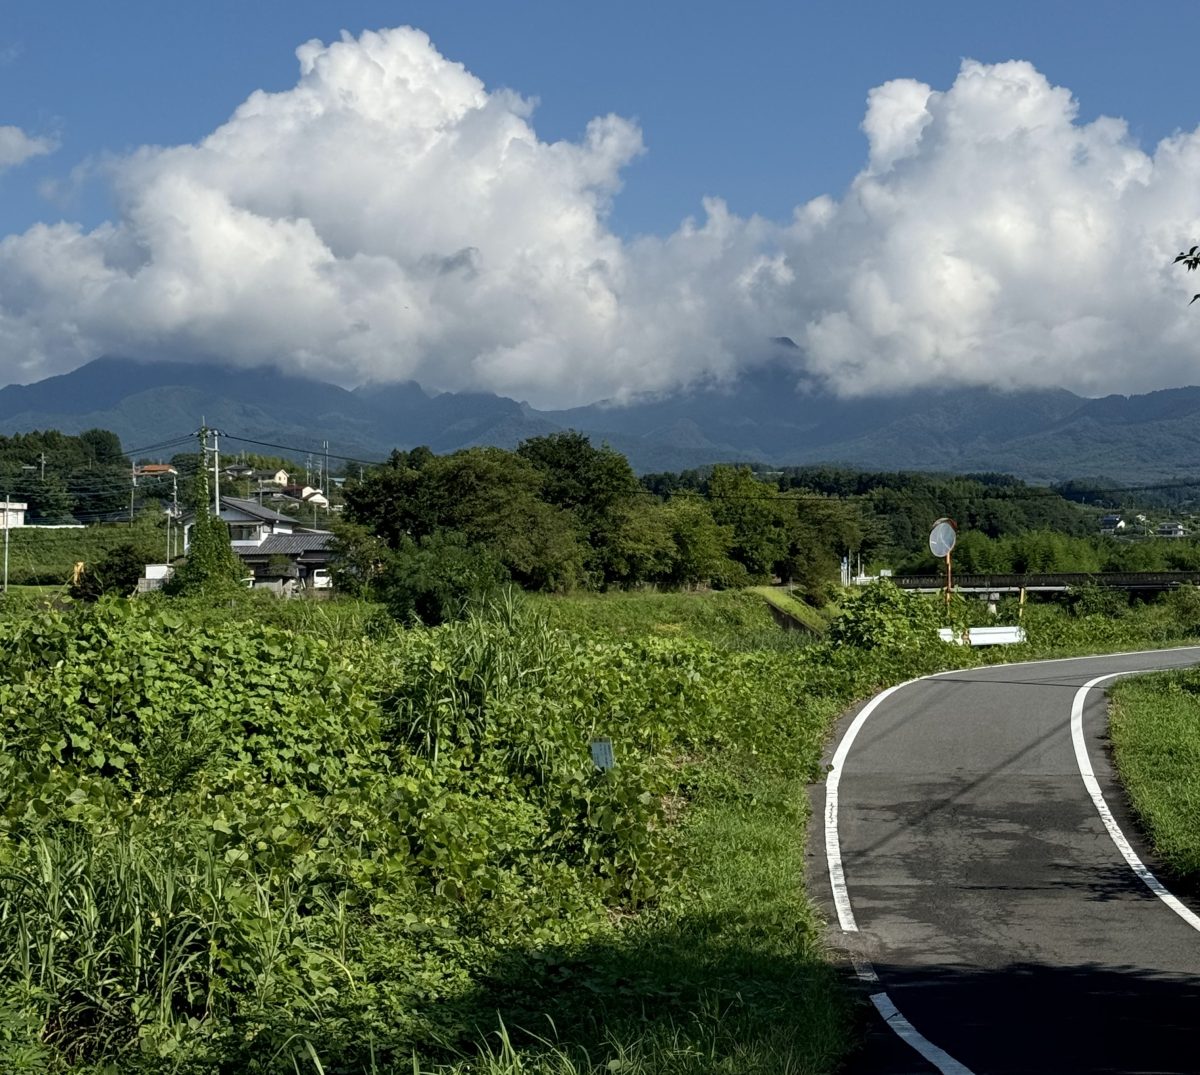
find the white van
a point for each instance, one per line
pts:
(320, 579)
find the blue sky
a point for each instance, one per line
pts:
(759, 105)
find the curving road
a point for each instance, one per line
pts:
(995, 922)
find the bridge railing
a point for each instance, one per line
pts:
(1117, 580)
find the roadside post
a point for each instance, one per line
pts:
(942, 539)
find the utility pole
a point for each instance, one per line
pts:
(132, 489)
(216, 473)
(7, 501)
(42, 459)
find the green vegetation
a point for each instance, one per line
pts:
(1155, 728)
(886, 516)
(211, 567)
(230, 846)
(802, 613)
(1050, 551)
(264, 836)
(559, 515)
(727, 618)
(116, 574)
(47, 557)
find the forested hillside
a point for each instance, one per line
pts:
(66, 478)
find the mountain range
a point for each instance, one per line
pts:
(765, 417)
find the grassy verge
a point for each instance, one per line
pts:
(726, 978)
(804, 614)
(733, 619)
(1155, 728)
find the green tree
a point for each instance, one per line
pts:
(637, 546)
(752, 511)
(438, 578)
(701, 544)
(50, 500)
(360, 558)
(489, 496)
(577, 476)
(817, 531)
(104, 447)
(598, 488)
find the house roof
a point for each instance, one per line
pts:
(288, 545)
(255, 509)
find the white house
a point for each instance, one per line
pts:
(306, 494)
(12, 514)
(264, 539)
(250, 524)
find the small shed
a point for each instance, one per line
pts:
(12, 514)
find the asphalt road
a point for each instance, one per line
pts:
(981, 886)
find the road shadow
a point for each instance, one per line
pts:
(1027, 1017)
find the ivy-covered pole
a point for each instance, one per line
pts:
(211, 565)
(7, 501)
(216, 472)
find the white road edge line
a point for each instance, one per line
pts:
(833, 845)
(939, 1058)
(1114, 830)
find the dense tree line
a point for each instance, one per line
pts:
(1047, 551)
(560, 513)
(64, 478)
(895, 510)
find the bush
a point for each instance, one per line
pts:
(1093, 600)
(882, 616)
(116, 574)
(438, 579)
(226, 843)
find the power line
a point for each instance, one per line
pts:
(306, 451)
(185, 439)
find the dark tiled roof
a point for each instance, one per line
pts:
(288, 545)
(255, 509)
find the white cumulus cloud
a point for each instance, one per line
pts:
(16, 146)
(994, 239)
(391, 217)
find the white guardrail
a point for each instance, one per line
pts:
(983, 636)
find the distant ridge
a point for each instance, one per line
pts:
(765, 417)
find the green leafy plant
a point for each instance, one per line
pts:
(882, 616)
